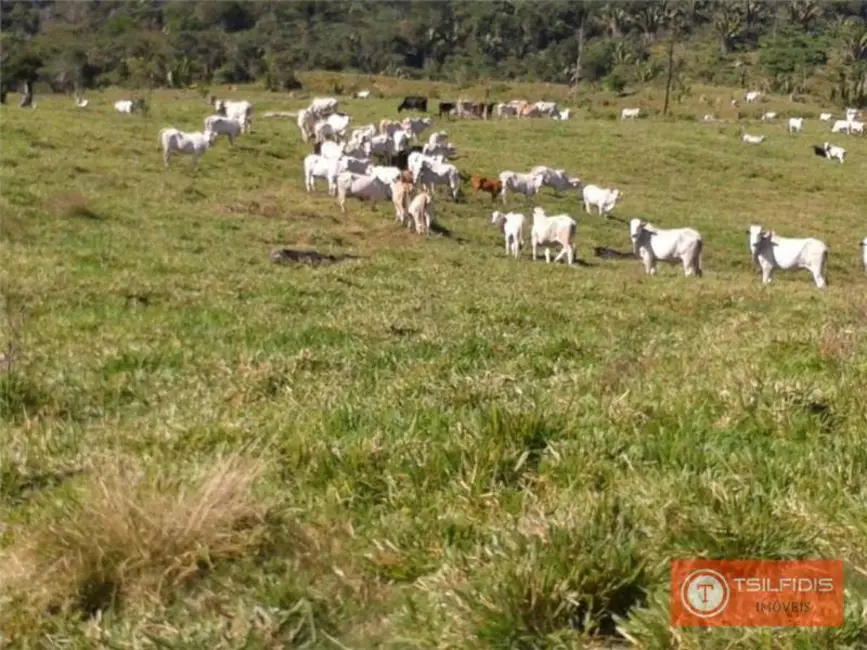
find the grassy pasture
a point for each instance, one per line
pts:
(429, 444)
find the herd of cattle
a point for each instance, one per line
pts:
(385, 162)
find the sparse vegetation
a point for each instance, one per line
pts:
(437, 446)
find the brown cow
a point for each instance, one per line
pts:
(492, 187)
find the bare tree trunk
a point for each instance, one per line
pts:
(577, 73)
(27, 99)
(670, 74)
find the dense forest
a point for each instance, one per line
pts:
(796, 46)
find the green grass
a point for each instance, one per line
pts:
(430, 445)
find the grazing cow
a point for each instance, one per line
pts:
(772, 252)
(429, 173)
(194, 144)
(709, 118)
(511, 224)
(223, 126)
(130, 105)
(323, 106)
(554, 229)
(833, 152)
(825, 117)
(445, 108)
(241, 111)
(770, 115)
(317, 166)
(651, 244)
(366, 188)
(400, 193)
(421, 211)
(80, 102)
(492, 187)
(796, 124)
(416, 125)
(856, 127)
(629, 113)
(752, 96)
(361, 94)
(413, 103)
(841, 126)
(864, 253)
(604, 199)
(557, 179)
(443, 150)
(547, 108)
(753, 139)
(527, 184)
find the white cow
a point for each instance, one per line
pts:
(421, 211)
(796, 124)
(358, 148)
(770, 115)
(430, 173)
(400, 193)
(366, 188)
(629, 113)
(856, 127)
(125, 106)
(416, 125)
(194, 144)
(387, 175)
(366, 131)
(565, 114)
(506, 110)
(437, 139)
(318, 166)
(241, 111)
(445, 151)
(753, 139)
(556, 178)
(354, 165)
(651, 244)
(833, 152)
(555, 229)
(362, 94)
(864, 253)
(825, 117)
(752, 96)
(852, 114)
(224, 126)
(773, 252)
(527, 184)
(306, 122)
(332, 150)
(604, 199)
(339, 123)
(547, 108)
(841, 126)
(511, 224)
(323, 106)
(415, 158)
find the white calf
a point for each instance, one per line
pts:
(796, 124)
(318, 166)
(223, 126)
(511, 225)
(366, 188)
(825, 117)
(770, 115)
(527, 184)
(604, 199)
(421, 211)
(123, 106)
(753, 139)
(194, 144)
(752, 96)
(833, 152)
(323, 106)
(629, 113)
(556, 229)
(773, 252)
(670, 245)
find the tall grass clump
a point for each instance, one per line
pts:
(126, 538)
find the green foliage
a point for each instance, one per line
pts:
(462, 41)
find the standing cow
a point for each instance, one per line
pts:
(413, 103)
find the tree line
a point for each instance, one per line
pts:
(797, 46)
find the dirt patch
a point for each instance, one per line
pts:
(312, 257)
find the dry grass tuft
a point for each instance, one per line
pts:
(125, 538)
(70, 204)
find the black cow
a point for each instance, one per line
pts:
(413, 103)
(489, 109)
(400, 160)
(820, 151)
(446, 108)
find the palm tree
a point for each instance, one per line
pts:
(649, 17)
(614, 17)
